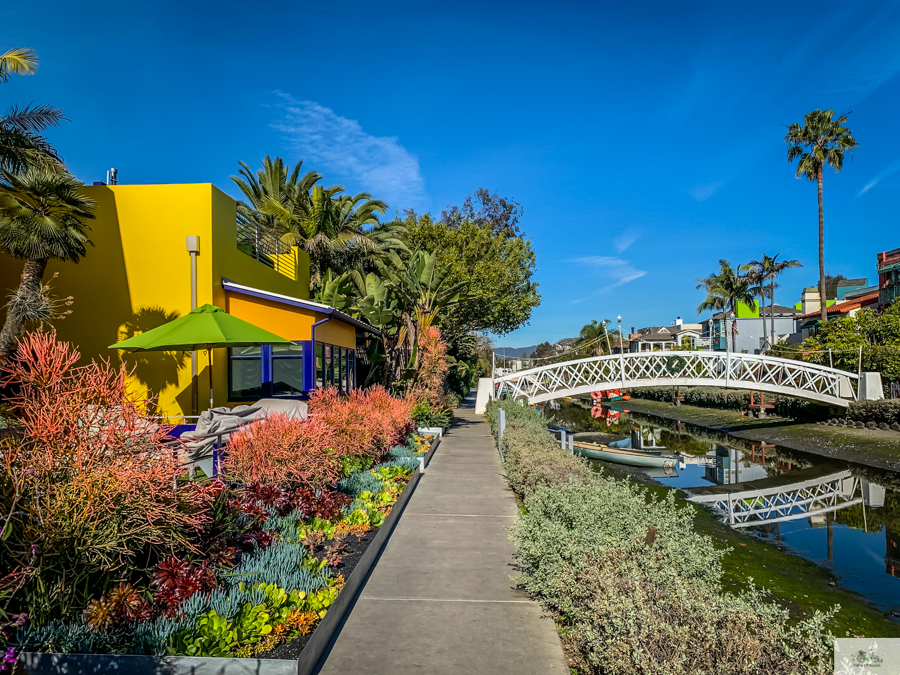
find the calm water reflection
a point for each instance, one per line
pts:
(859, 543)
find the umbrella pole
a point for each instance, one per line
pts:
(209, 368)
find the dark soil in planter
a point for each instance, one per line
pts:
(355, 550)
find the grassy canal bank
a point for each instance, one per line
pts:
(871, 447)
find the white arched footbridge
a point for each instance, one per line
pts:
(688, 369)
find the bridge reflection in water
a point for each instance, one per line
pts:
(799, 494)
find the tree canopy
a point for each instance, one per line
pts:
(877, 332)
(495, 267)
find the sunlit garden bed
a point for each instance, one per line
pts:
(108, 548)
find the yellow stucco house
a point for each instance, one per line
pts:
(149, 241)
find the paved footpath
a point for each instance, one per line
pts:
(440, 599)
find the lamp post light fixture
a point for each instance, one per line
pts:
(731, 332)
(619, 319)
(711, 347)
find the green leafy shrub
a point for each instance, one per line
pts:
(626, 608)
(531, 456)
(533, 459)
(886, 411)
(211, 636)
(707, 397)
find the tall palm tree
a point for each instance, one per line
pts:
(776, 269)
(276, 181)
(42, 216)
(821, 140)
(757, 271)
(725, 290)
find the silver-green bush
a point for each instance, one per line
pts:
(625, 608)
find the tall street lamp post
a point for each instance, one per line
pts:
(619, 319)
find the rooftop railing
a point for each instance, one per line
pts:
(888, 294)
(263, 245)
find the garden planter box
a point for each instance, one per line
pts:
(437, 432)
(434, 446)
(314, 653)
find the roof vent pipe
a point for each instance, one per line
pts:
(112, 177)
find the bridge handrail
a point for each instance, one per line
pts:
(703, 354)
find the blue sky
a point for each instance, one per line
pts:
(643, 140)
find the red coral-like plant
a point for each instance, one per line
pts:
(88, 477)
(367, 422)
(284, 451)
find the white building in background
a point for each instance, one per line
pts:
(665, 338)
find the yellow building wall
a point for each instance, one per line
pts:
(137, 277)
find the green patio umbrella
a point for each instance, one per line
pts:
(207, 327)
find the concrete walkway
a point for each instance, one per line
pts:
(440, 599)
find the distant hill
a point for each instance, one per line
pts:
(514, 352)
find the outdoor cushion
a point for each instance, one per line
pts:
(288, 407)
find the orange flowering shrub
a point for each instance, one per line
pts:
(284, 451)
(85, 478)
(433, 366)
(367, 422)
(294, 453)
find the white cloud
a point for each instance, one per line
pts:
(703, 192)
(614, 270)
(623, 241)
(888, 171)
(339, 148)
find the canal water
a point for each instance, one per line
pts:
(859, 540)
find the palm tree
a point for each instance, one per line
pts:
(338, 231)
(725, 290)
(332, 228)
(821, 140)
(21, 142)
(776, 268)
(42, 216)
(19, 60)
(757, 271)
(598, 336)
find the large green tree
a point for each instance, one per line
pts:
(726, 288)
(823, 139)
(493, 265)
(877, 333)
(43, 215)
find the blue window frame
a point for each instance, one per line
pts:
(289, 371)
